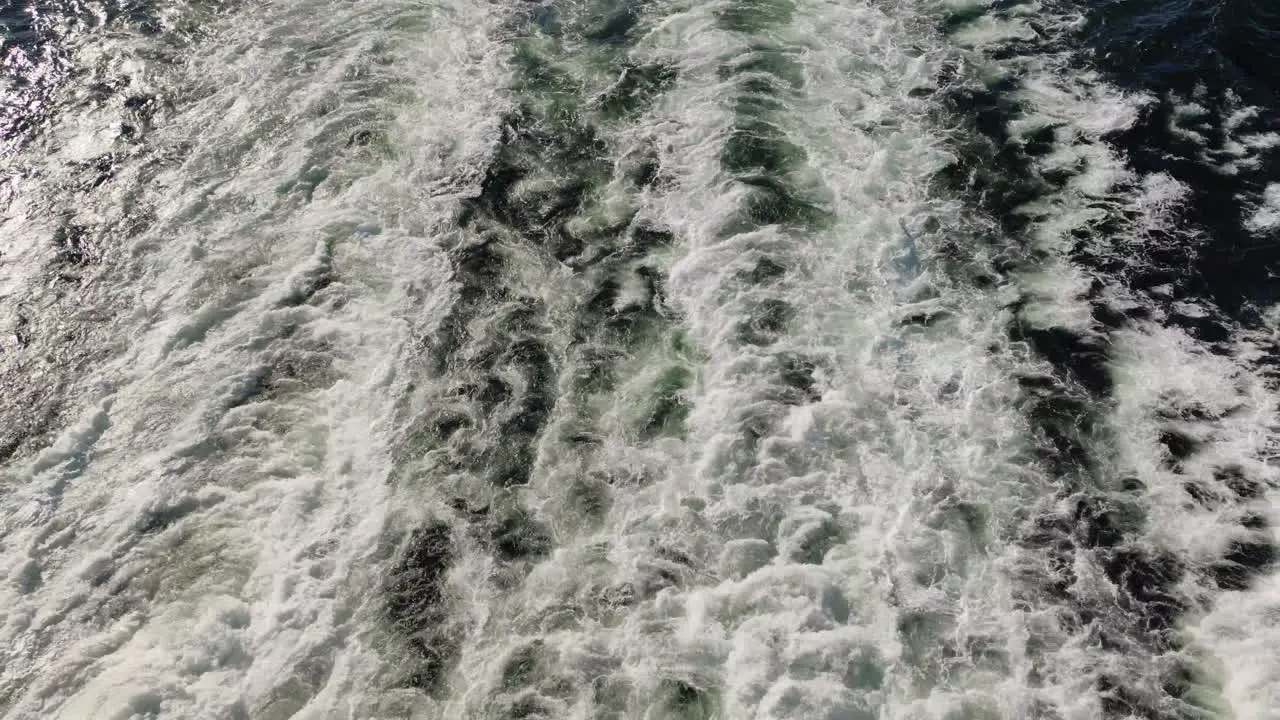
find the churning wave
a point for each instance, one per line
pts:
(639, 359)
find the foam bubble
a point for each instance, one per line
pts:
(1266, 216)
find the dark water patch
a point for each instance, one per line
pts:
(97, 171)
(667, 406)
(1178, 445)
(514, 390)
(924, 318)
(472, 513)
(757, 146)
(250, 386)
(686, 700)
(501, 174)
(36, 62)
(757, 150)
(1182, 44)
(1137, 616)
(577, 247)
(538, 214)
(520, 669)
(644, 174)
(765, 270)
(516, 535)
(540, 79)
(644, 239)
(609, 318)
(1244, 561)
(296, 368)
(77, 245)
(611, 23)
(1147, 579)
(1234, 479)
(811, 544)
(927, 643)
(769, 201)
(416, 604)
(1254, 521)
(32, 412)
(555, 204)
(655, 574)
(1205, 62)
(1184, 410)
(305, 184)
(1091, 524)
(1210, 256)
(1209, 331)
(754, 16)
(40, 49)
(1203, 495)
(365, 137)
(594, 369)
(530, 706)
(602, 301)
(477, 267)
(488, 392)
(759, 98)
(1064, 422)
(624, 477)
(635, 90)
(480, 269)
(1120, 701)
(767, 59)
(1049, 535)
(1101, 522)
(310, 284)
(315, 279)
(767, 320)
(588, 499)
(797, 375)
(1084, 358)
(158, 519)
(477, 271)
(993, 171)
(957, 18)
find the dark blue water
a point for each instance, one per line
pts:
(1179, 44)
(1220, 60)
(1226, 55)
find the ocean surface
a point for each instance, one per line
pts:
(654, 359)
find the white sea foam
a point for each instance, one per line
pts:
(853, 580)
(1224, 405)
(207, 535)
(199, 543)
(1266, 214)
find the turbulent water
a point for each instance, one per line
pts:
(744, 359)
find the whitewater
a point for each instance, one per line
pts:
(746, 359)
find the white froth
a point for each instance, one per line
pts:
(251, 597)
(200, 542)
(1235, 144)
(881, 451)
(1162, 368)
(1156, 370)
(1242, 631)
(1266, 214)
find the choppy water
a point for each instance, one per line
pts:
(624, 359)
